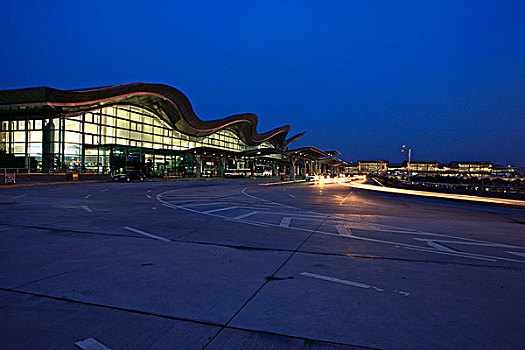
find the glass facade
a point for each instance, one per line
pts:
(110, 138)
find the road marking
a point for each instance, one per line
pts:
(285, 222)
(344, 231)
(22, 195)
(184, 196)
(245, 215)
(337, 280)
(438, 246)
(405, 294)
(149, 191)
(148, 196)
(54, 189)
(173, 206)
(291, 195)
(150, 235)
(470, 242)
(464, 255)
(87, 196)
(243, 191)
(517, 253)
(378, 182)
(250, 222)
(349, 283)
(91, 344)
(104, 190)
(86, 208)
(220, 209)
(386, 228)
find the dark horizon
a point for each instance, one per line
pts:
(444, 78)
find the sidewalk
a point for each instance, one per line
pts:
(62, 180)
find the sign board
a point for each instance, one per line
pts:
(10, 178)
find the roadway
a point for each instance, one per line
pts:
(222, 265)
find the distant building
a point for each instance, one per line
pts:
(372, 166)
(396, 169)
(470, 168)
(351, 169)
(504, 171)
(433, 168)
(422, 167)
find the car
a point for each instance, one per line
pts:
(263, 171)
(237, 172)
(129, 176)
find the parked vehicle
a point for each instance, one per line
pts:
(263, 171)
(237, 172)
(129, 176)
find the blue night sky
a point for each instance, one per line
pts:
(446, 78)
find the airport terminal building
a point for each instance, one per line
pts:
(151, 127)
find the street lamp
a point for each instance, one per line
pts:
(403, 149)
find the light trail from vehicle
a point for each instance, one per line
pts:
(319, 179)
(462, 197)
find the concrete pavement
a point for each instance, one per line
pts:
(221, 265)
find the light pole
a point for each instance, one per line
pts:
(403, 149)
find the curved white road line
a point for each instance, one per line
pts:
(353, 236)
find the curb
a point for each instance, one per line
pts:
(55, 183)
(272, 183)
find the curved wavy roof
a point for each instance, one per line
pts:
(165, 101)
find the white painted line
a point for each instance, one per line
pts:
(471, 242)
(150, 235)
(343, 231)
(246, 222)
(104, 190)
(396, 244)
(245, 215)
(517, 253)
(337, 280)
(285, 221)
(86, 208)
(220, 209)
(380, 184)
(54, 189)
(91, 344)
(243, 191)
(22, 195)
(305, 215)
(405, 294)
(196, 195)
(204, 204)
(148, 196)
(440, 247)
(463, 255)
(87, 196)
(149, 191)
(291, 195)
